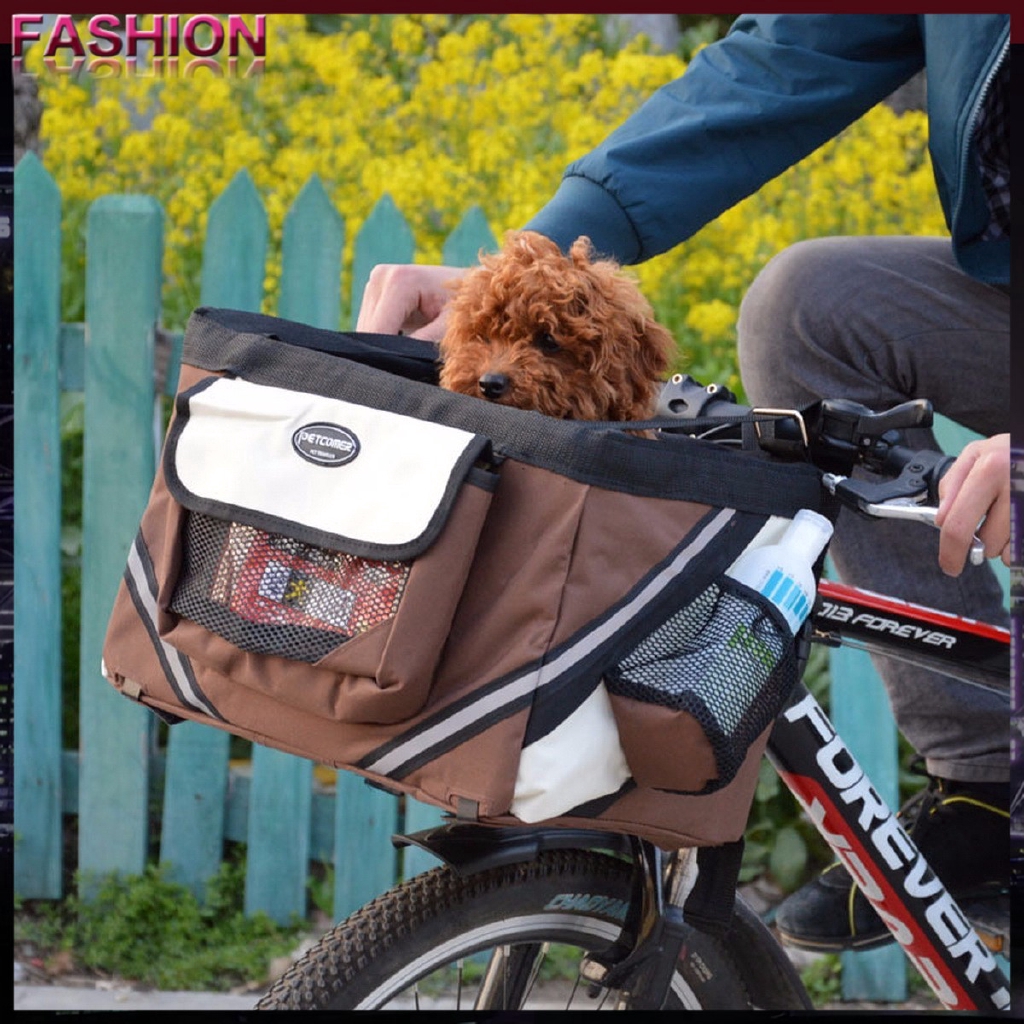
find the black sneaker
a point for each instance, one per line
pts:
(962, 828)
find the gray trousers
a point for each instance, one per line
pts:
(880, 321)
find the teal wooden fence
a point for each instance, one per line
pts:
(129, 781)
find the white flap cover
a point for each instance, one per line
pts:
(349, 472)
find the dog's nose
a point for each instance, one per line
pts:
(493, 385)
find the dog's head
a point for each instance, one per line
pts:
(570, 336)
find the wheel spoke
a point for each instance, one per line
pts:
(510, 974)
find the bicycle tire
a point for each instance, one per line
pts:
(568, 897)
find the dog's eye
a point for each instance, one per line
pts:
(546, 342)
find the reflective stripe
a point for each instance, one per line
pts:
(445, 733)
(142, 587)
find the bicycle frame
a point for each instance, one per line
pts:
(971, 651)
(838, 797)
(866, 836)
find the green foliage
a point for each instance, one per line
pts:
(697, 30)
(320, 885)
(823, 979)
(150, 929)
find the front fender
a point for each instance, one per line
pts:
(468, 847)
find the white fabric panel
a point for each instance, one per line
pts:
(237, 448)
(579, 760)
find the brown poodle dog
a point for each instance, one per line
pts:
(567, 336)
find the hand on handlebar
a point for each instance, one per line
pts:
(407, 299)
(975, 487)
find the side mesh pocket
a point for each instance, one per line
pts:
(694, 695)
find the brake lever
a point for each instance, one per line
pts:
(909, 507)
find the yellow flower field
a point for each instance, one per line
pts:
(441, 115)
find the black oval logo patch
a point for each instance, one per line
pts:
(325, 444)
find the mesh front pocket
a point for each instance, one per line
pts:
(714, 675)
(271, 594)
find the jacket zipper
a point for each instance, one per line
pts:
(972, 124)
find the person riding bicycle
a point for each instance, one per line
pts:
(878, 320)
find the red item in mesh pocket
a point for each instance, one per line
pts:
(275, 580)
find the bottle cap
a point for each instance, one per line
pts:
(810, 532)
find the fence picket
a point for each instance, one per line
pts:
(364, 821)
(124, 247)
(195, 793)
(237, 232)
(277, 865)
(37, 517)
(281, 800)
(311, 248)
(384, 238)
(278, 826)
(473, 233)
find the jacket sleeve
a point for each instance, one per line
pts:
(747, 107)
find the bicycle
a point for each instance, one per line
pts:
(657, 930)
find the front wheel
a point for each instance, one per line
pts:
(513, 937)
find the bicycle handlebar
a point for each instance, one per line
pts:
(835, 435)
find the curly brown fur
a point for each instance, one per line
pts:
(569, 336)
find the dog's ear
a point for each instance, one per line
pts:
(615, 292)
(657, 349)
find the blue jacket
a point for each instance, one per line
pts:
(759, 100)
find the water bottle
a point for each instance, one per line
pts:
(783, 572)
